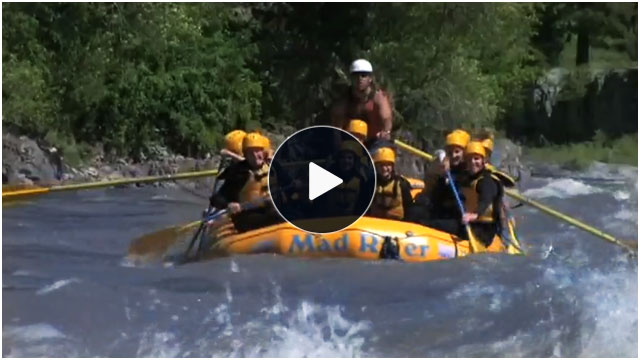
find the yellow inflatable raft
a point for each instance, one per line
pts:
(367, 239)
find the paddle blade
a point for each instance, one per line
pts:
(152, 247)
(476, 246)
(631, 246)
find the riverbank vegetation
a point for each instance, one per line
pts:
(132, 77)
(578, 156)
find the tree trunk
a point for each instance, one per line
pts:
(582, 48)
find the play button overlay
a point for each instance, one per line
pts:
(321, 179)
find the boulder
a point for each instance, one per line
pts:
(22, 159)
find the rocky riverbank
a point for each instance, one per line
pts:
(27, 162)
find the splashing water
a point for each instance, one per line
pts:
(562, 188)
(574, 295)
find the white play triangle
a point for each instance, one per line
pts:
(321, 181)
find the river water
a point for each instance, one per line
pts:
(68, 292)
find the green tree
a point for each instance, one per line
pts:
(130, 75)
(453, 64)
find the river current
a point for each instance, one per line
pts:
(68, 292)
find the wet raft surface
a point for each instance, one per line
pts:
(67, 292)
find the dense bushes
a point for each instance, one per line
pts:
(128, 75)
(134, 75)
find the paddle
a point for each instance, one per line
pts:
(153, 246)
(508, 233)
(223, 152)
(575, 222)
(476, 246)
(14, 194)
(208, 217)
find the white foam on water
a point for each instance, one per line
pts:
(22, 273)
(315, 331)
(621, 195)
(37, 340)
(278, 306)
(158, 344)
(496, 294)
(309, 330)
(626, 215)
(234, 267)
(56, 285)
(33, 332)
(611, 314)
(623, 222)
(562, 188)
(161, 197)
(612, 171)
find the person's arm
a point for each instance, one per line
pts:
(233, 183)
(487, 191)
(386, 113)
(407, 200)
(218, 200)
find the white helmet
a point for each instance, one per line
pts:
(361, 65)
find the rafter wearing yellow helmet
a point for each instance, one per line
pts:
(254, 140)
(358, 128)
(233, 141)
(456, 141)
(384, 154)
(393, 197)
(475, 148)
(483, 195)
(488, 146)
(246, 182)
(458, 138)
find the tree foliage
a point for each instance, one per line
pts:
(128, 75)
(135, 75)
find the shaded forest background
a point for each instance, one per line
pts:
(135, 76)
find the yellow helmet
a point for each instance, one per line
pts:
(464, 133)
(351, 145)
(267, 142)
(233, 141)
(384, 154)
(475, 147)
(488, 144)
(458, 138)
(254, 139)
(357, 126)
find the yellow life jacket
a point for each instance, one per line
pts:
(387, 202)
(471, 199)
(257, 185)
(505, 179)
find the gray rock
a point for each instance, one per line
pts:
(23, 156)
(116, 175)
(91, 171)
(106, 169)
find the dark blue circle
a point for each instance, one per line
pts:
(336, 151)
